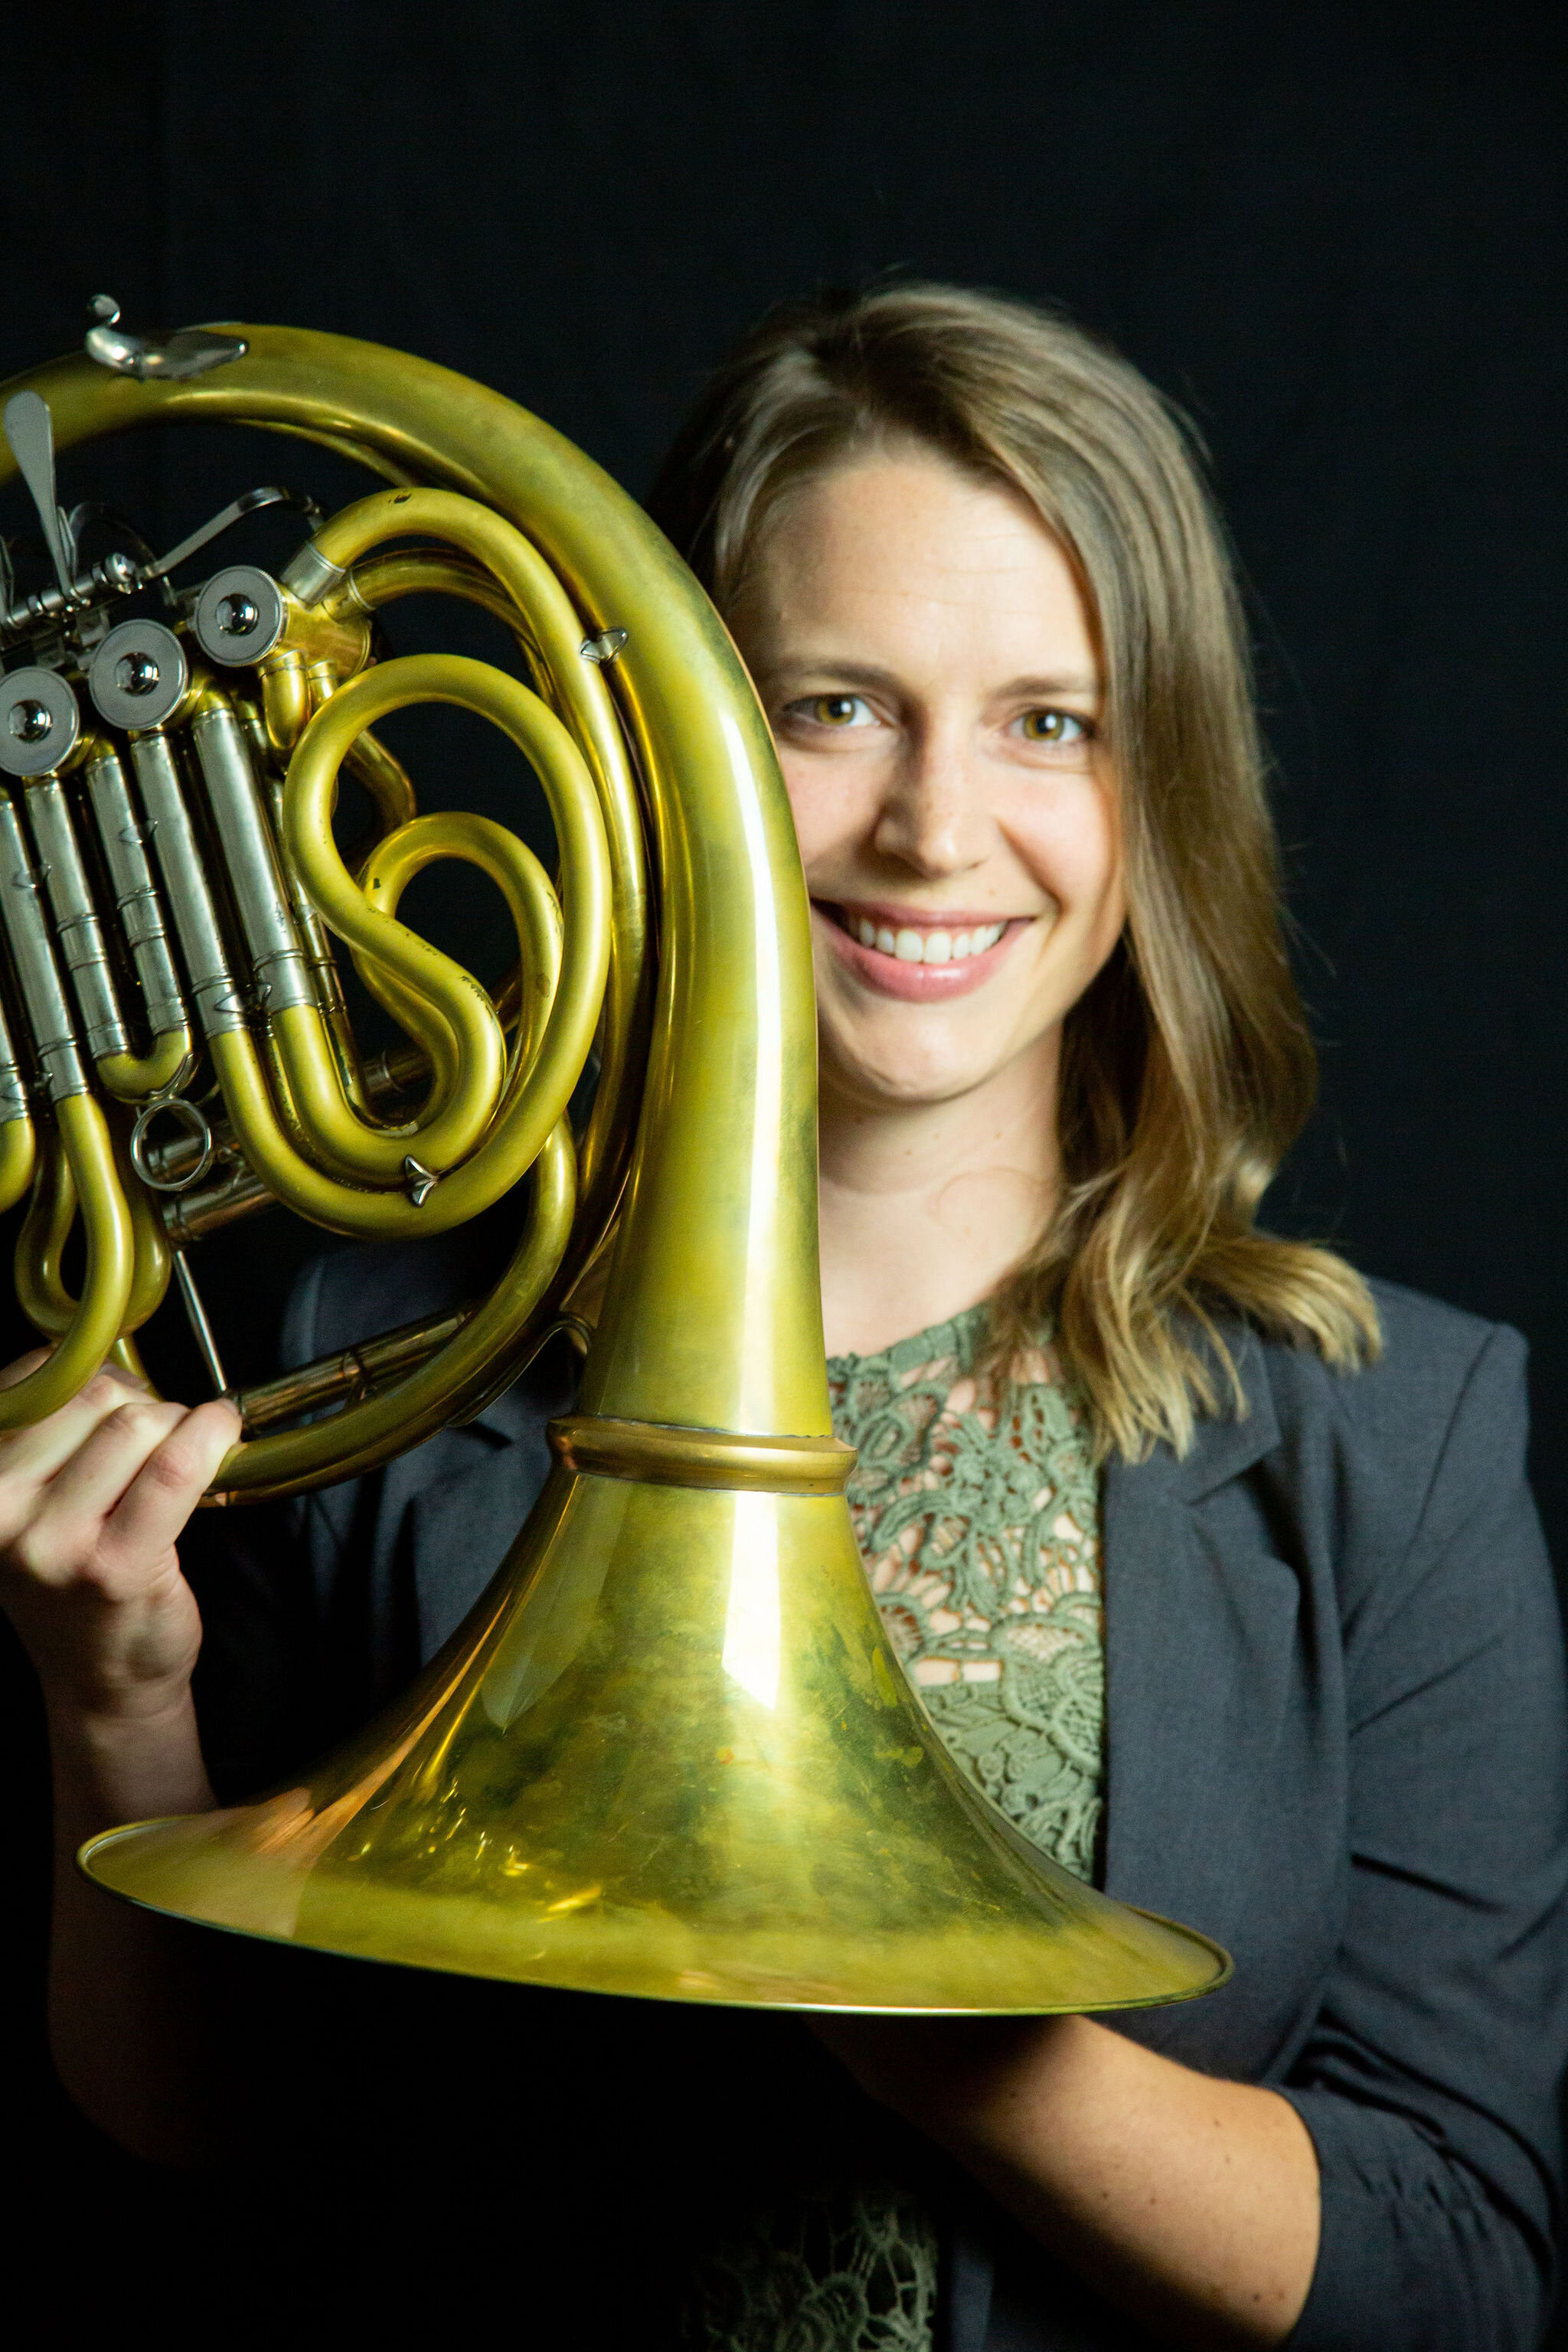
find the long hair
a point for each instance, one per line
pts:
(1187, 1067)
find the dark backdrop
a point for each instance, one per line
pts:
(1334, 232)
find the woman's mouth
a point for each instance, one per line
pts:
(910, 953)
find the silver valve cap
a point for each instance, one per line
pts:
(39, 721)
(239, 615)
(139, 675)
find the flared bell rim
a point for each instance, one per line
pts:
(1203, 1966)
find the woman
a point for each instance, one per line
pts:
(1215, 1566)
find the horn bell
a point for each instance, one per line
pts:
(670, 1753)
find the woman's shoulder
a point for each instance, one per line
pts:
(1436, 1363)
(1390, 1462)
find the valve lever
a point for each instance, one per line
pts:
(31, 435)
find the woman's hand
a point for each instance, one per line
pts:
(93, 1500)
(1190, 2202)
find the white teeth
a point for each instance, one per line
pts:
(925, 947)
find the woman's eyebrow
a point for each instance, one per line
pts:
(867, 674)
(849, 673)
(1065, 682)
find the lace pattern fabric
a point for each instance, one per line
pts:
(838, 2271)
(977, 1513)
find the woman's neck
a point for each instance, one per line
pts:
(926, 1207)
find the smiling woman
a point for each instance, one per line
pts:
(969, 559)
(1212, 1564)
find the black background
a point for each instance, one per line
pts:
(1335, 232)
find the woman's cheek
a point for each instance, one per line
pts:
(824, 818)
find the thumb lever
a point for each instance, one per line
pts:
(31, 434)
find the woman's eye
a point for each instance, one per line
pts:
(837, 710)
(1053, 727)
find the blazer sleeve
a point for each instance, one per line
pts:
(1429, 2079)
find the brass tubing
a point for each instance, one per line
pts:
(502, 572)
(348, 910)
(324, 981)
(41, 1292)
(18, 1139)
(506, 1155)
(285, 699)
(208, 1209)
(383, 778)
(100, 1318)
(351, 1375)
(392, 1083)
(535, 913)
(499, 1334)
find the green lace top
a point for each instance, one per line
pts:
(977, 1515)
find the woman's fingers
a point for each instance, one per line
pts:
(30, 1457)
(64, 1529)
(170, 1483)
(88, 1570)
(10, 1375)
(117, 1506)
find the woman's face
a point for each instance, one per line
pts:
(930, 677)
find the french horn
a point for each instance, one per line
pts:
(670, 1753)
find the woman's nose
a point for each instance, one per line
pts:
(933, 819)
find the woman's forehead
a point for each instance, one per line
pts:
(906, 552)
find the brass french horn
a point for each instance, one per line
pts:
(670, 1752)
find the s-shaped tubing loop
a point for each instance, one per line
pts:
(530, 1108)
(516, 582)
(99, 1316)
(534, 909)
(41, 1292)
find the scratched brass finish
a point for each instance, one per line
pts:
(670, 1753)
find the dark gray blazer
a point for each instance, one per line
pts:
(1335, 1741)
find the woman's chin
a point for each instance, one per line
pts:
(870, 1082)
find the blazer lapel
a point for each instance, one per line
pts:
(1200, 1623)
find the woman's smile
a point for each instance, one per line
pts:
(921, 955)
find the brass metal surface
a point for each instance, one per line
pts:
(670, 1753)
(299, 1121)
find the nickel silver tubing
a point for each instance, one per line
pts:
(318, 946)
(77, 926)
(13, 1086)
(219, 1005)
(282, 975)
(135, 894)
(32, 952)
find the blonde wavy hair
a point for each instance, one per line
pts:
(1187, 1067)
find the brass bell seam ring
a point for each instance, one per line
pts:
(667, 1455)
